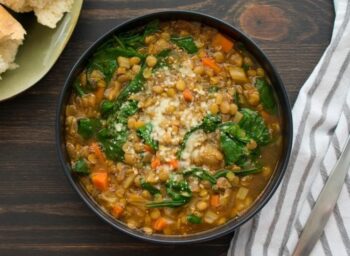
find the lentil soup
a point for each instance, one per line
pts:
(173, 128)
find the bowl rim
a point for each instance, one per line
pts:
(269, 189)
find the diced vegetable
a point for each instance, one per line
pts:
(187, 94)
(210, 217)
(215, 201)
(95, 148)
(238, 75)
(117, 210)
(100, 180)
(99, 94)
(209, 62)
(174, 163)
(225, 43)
(242, 193)
(155, 162)
(160, 224)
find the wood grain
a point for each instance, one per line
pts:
(40, 214)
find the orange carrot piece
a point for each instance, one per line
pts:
(174, 163)
(225, 43)
(148, 148)
(209, 62)
(117, 210)
(187, 95)
(95, 148)
(155, 162)
(215, 201)
(99, 94)
(160, 224)
(100, 180)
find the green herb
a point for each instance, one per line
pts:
(266, 95)
(88, 127)
(134, 86)
(114, 136)
(105, 62)
(235, 132)
(221, 173)
(186, 43)
(255, 126)
(78, 88)
(161, 58)
(112, 144)
(81, 167)
(136, 39)
(210, 123)
(179, 192)
(106, 107)
(246, 172)
(147, 186)
(240, 173)
(201, 174)
(232, 149)
(127, 109)
(194, 219)
(144, 133)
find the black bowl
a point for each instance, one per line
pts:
(285, 115)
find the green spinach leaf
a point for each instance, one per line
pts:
(210, 123)
(81, 167)
(145, 133)
(186, 43)
(147, 186)
(88, 127)
(200, 173)
(179, 192)
(255, 126)
(232, 149)
(266, 95)
(194, 219)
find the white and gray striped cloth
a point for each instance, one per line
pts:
(321, 126)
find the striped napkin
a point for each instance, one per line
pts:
(321, 125)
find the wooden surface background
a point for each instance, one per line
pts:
(40, 214)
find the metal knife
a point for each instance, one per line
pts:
(324, 205)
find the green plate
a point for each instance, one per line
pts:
(40, 50)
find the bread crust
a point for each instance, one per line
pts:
(9, 27)
(48, 12)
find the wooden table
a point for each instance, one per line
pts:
(40, 214)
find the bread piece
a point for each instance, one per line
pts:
(11, 37)
(48, 12)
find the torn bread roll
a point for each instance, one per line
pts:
(11, 37)
(48, 12)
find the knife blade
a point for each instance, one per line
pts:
(324, 205)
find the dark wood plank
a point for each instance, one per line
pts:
(40, 214)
